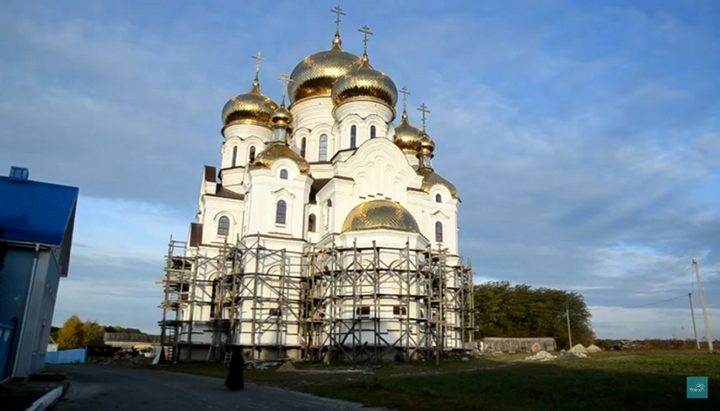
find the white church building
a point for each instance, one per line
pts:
(325, 233)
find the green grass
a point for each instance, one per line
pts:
(608, 381)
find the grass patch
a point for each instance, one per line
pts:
(608, 381)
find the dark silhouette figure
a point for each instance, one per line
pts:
(234, 380)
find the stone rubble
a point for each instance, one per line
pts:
(578, 349)
(540, 356)
(593, 348)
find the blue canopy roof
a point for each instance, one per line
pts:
(35, 212)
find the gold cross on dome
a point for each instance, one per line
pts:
(285, 78)
(424, 110)
(365, 30)
(337, 10)
(259, 58)
(405, 93)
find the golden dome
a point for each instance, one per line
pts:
(249, 108)
(316, 74)
(407, 137)
(275, 152)
(365, 81)
(430, 178)
(282, 117)
(376, 214)
(427, 146)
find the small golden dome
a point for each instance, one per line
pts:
(407, 137)
(427, 145)
(430, 178)
(365, 81)
(282, 117)
(316, 74)
(249, 108)
(275, 152)
(376, 214)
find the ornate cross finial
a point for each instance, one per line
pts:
(337, 10)
(259, 58)
(424, 110)
(365, 30)
(285, 78)
(405, 92)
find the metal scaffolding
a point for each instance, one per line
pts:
(322, 302)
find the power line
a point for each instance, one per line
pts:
(658, 302)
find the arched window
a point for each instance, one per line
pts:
(438, 232)
(283, 174)
(252, 153)
(353, 136)
(280, 212)
(311, 223)
(323, 148)
(302, 147)
(223, 226)
(234, 157)
(372, 131)
(328, 210)
(438, 198)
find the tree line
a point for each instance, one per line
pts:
(76, 333)
(504, 310)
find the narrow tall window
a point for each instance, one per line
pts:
(234, 157)
(280, 212)
(372, 131)
(438, 198)
(252, 153)
(323, 147)
(283, 174)
(438, 232)
(311, 223)
(223, 226)
(353, 136)
(302, 147)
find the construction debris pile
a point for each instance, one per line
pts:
(578, 351)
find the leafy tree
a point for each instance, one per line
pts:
(71, 334)
(92, 334)
(517, 311)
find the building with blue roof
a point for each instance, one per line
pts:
(36, 229)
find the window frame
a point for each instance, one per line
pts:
(223, 225)
(281, 212)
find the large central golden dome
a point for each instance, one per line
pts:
(316, 74)
(376, 214)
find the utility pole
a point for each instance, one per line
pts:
(692, 312)
(567, 315)
(704, 308)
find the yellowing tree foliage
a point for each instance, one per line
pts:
(71, 334)
(92, 334)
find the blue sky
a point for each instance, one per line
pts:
(583, 136)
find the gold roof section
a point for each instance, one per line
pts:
(275, 152)
(365, 81)
(249, 108)
(376, 214)
(316, 74)
(430, 178)
(252, 107)
(407, 137)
